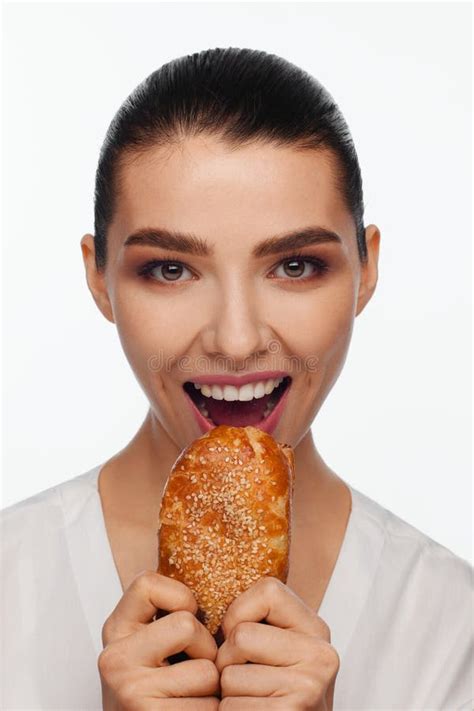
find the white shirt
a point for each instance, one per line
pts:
(398, 605)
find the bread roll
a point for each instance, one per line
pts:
(225, 516)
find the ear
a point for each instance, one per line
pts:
(369, 270)
(96, 279)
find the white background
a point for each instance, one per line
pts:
(397, 423)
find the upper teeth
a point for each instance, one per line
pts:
(245, 392)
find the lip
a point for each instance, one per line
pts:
(267, 425)
(235, 379)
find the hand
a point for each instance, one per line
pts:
(134, 670)
(294, 665)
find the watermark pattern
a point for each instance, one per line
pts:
(227, 364)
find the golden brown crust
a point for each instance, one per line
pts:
(225, 516)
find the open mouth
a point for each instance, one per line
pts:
(216, 406)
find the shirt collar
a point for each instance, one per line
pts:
(354, 572)
(94, 569)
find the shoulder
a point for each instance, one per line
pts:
(412, 558)
(401, 538)
(43, 514)
(51, 606)
(417, 604)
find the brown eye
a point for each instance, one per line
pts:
(164, 271)
(301, 266)
(171, 271)
(294, 267)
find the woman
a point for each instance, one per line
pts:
(231, 254)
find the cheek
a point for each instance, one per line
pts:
(151, 328)
(320, 335)
(319, 323)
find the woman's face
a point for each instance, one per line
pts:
(232, 301)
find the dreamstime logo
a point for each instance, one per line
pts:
(223, 364)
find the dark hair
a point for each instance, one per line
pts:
(244, 96)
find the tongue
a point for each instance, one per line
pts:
(237, 413)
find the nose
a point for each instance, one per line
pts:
(235, 329)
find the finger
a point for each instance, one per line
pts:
(265, 644)
(153, 643)
(257, 680)
(209, 703)
(252, 703)
(192, 678)
(147, 593)
(271, 600)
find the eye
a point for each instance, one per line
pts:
(301, 268)
(163, 271)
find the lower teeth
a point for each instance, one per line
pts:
(267, 410)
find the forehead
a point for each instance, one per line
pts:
(243, 194)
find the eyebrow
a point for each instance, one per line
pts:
(192, 244)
